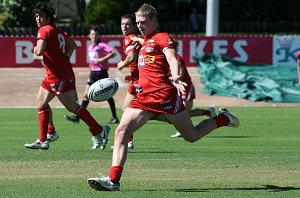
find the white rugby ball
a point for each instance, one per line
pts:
(103, 89)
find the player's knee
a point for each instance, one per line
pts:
(72, 107)
(119, 133)
(124, 107)
(40, 103)
(122, 133)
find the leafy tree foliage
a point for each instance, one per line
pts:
(168, 10)
(102, 12)
(109, 12)
(17, 13)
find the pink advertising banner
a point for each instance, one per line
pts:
(17, 51)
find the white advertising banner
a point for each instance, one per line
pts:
(285, 50)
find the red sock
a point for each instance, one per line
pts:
(130, 138)
(84, 115)
(51, 130)
(115, 173)
(221, 120)
(206, 112)
(44, 117)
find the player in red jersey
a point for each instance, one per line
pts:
(129, 30)
(189, 94)
(298, 66)
(156, 95)
(56, 47)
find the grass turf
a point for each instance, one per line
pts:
(261, 158)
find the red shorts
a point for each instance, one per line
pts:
(189, 94)
(162, 102)
(59, 87)
(132, 89)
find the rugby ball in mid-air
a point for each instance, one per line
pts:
(103, 89)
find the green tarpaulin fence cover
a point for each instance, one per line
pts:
(223, 76)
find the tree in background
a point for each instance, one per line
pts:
(103, 12)
(17, 13)
(108, 13)
(173, 17)
(80, 10)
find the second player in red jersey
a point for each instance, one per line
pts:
(56, 41)
(129, 30)
(56, 47)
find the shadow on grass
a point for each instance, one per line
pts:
(271, 188)
(147, 151)
(231, 136)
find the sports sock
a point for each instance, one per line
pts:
(221, 120)
(44, 117)
(51, 130)
(205, 112)
(115, 173)
(85, 103)
(130, 138)
(84, 115)
(112, 106)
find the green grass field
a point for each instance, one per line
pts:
(261, 158)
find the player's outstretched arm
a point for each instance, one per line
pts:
(130, 58)
(175, 71)
(106, 57)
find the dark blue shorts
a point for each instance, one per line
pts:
(96, 75)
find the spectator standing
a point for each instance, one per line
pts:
(198, 15)
(189, 94)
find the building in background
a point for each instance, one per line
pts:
(69, 12)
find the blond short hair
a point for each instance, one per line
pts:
(146, 10)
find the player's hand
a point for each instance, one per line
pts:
(180, 85)
(98, 60)
(137, 42)
(113, 54)
(137, 45)
(127, 78)
(36, 57)
(120, 65)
